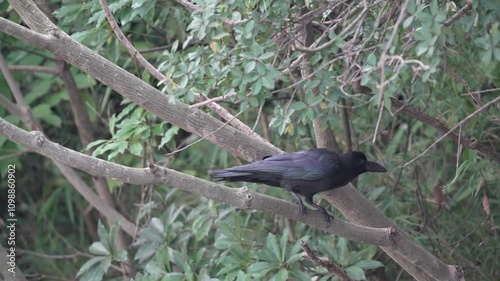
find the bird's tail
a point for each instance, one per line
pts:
(246, 173)
(230, 175)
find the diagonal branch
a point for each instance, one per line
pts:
(130, 48)
(472, 142)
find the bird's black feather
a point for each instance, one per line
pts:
(305, 172)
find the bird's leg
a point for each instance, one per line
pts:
(309, 201)
(303, 208)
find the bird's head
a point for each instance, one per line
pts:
(361, 165)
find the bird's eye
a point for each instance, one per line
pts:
(361, 162)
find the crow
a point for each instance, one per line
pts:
(305, 172)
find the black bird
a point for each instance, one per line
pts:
(305, 172)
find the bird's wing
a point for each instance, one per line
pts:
(305, 165)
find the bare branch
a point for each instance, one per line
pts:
(130, 48)
(203, 138)
(381, 63)
(458, 14)
(454, 128)
(34, 68)
(243, 198)
(216, 99)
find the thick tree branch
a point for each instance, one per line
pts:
(242, 198)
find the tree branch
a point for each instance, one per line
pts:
(128, 46)
(471, 142)
(387, 237)
(242, 198)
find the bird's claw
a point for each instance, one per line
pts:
(303, 209)
(328, 217)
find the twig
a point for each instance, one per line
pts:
(204, 137)
(216, 99)
(379, 120)
(226, 115)
(34, 68)
(380, 103)
(459, 150)
(383, 56)
(324, 262)
(453, 129)
(347, 126)
(359, 18)
(258, 118)
(475, 97)
(460, 12)
(482, 91)
(130, 48)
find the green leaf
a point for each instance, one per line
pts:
(249, 28)
(173, 276)
(282, 275)
(136, 148)
(201, 226)
(257, 87)
(102, 232)
(273, 248)
(407, 22)
(169, 134)
(284, 243)
(98, 248)
(188, 272)
(261, 68)
(412, 7)
(253, 101)
(90, 263)
(261, 268)
(266, 56)
(298, 105)
(112, 234)
(369, 264)
(41, 111)
(294, 258)
(250, 66)
(342, 249)
(487, 57)
(355, 273)
(268, 82)
(121, 256)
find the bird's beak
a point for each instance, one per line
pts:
(375, 167)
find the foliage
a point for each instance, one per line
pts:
(429, 64)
